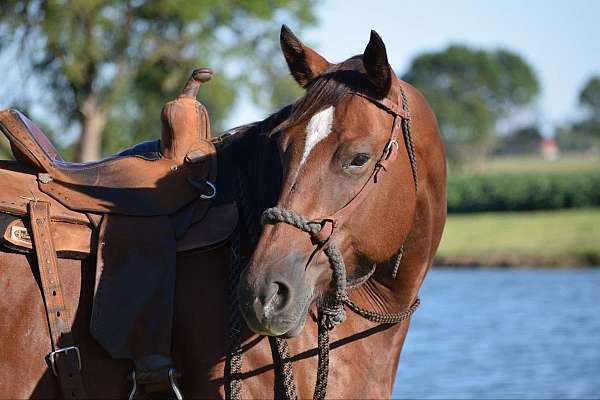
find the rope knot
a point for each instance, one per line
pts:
(332, 316)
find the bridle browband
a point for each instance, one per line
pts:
(323, 231)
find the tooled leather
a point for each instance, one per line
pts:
(66, 364)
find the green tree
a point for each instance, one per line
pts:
(583, 135)
(470, 91)
(111, 64)
(589, 98)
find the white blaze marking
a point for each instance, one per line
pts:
(318, 128)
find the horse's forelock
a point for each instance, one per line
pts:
(329, 89)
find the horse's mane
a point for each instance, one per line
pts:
(249, 169)
(252, 154)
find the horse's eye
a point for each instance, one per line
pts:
(359, 160)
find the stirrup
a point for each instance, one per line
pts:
(172, 383)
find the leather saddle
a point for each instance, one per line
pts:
(134, 211)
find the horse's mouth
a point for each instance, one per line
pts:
(288, 325)
(295, 331)
(285, 330)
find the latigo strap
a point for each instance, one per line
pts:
(65, 358)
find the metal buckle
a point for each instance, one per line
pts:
(65, 350)
(388, 148)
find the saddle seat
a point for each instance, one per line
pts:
(127, 184)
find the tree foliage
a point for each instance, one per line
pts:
(589, 97)
(470, 91)
(583, 135)
(111, 64)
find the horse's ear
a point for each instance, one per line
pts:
(305, 64)
(376, 64)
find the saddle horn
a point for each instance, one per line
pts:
(185, 122)
(198, 77)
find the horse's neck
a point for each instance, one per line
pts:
(389, 292)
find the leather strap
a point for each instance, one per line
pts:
(390, 153)
(65, 360)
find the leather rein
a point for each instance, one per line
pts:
(323, 232)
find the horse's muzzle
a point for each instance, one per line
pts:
(275, 304)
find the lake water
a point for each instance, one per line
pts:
(504, 334)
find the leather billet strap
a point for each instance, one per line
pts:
(65, 360)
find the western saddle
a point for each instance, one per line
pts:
(155, 198)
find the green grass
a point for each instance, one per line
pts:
(567, 163)
(558, 238)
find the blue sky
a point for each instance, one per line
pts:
(560, 39)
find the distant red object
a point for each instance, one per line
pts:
(550, 149)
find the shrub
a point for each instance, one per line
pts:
(523, 191)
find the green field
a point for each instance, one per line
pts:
(567, 163)
(546, 238)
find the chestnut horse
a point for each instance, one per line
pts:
(286, 160)
(350, 183)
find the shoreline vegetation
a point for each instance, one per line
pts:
(553, 238)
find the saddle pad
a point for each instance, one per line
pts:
(135, 283)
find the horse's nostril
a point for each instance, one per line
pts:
(277, 298)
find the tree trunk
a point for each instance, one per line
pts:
(93, 120)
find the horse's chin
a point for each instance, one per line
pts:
(295, 331)
(289, 328)
(285, 332)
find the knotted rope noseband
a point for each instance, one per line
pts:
(322, 232)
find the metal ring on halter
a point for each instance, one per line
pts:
(213, 194)
(174, 386)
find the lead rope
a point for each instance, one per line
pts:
(410, 147)
(323, 361)
(333, 310)
(288, 383)
(332, 313)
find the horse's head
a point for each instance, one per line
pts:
(346, 169)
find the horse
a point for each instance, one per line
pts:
(259, 168)
(356, 223)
